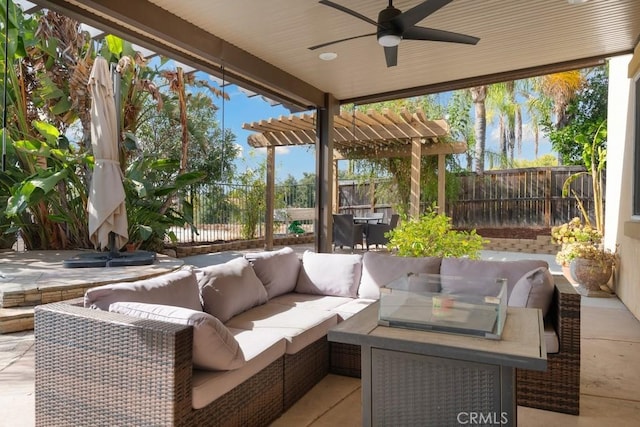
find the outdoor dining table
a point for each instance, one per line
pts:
(366, 220)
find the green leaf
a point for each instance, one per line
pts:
(62, 106)
(49, 132)
(114, 44)
(189, 178)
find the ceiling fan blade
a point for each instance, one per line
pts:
(391, 56)
(318, 46)
(348, 11)
(417, 13)
(422, 33)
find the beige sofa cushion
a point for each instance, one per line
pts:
(230, 288)
(299, 326)
(510, 270)
(214, 347)
(352, 307)
(329, 274)
(277, 270)
(379, 270)
(318, 302)
(533, 290)
(260, 348)
(178, 288)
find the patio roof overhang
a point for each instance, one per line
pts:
(358, 134)
(264, 46)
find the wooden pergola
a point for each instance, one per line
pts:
(358, 135)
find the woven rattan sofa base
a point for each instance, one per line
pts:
(100, 368)
(345, 359)
(557, 389)
(305, 369)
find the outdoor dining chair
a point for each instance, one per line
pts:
(346, 232)
(375, 232)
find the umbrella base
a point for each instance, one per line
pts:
(108, 259)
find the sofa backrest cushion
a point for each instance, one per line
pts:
(230, 288)
(379, 269)
(214, 347)
(533, 290)
(510, 270)
(277, 270)
(329, 274)
(178, 288)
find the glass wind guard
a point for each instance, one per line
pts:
(470, 306)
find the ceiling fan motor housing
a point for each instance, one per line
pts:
(386, 26)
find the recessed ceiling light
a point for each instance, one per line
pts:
(328, 56)
(577, 1)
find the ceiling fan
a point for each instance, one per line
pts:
(394, 25)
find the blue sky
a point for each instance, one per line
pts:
(242, 109)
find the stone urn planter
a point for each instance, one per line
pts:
(593, 274)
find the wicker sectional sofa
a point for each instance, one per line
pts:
(101, 367)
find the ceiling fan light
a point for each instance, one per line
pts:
(389, 40)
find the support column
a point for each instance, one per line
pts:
(416, 154)
(336, 189)
(270, 202)
(442, 179)
(324, 173)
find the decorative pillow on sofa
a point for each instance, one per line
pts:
(178, 288)
(510, 270)
(533, 290)
(329, 274)
(379, 270)
(230, 288)
(214, 347)
(277, 270)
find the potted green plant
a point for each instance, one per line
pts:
(591, 266)
(584, 259)
(571, 233)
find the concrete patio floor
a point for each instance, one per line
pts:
(610, 372)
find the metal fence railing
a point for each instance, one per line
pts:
(228, 211)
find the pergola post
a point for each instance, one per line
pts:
(442, 179)
(324, 173)
(416, 155)
(270, 196)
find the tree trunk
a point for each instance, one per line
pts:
(478, 96)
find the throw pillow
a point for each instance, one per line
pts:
(533, 290)
(329, 274)
(178, 288)
(230, 288)
(277, 270)
(214, 347)
(379, 270)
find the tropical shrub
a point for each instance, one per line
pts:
(152, 207)
(432, 235)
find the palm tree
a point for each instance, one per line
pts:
(478, 97)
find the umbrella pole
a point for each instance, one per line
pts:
(113, 251)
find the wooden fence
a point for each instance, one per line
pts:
(529, 197)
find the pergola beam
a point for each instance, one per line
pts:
(432, 149)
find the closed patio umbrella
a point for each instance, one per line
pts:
(106, 205)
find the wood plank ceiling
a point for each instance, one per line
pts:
(263, 45)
